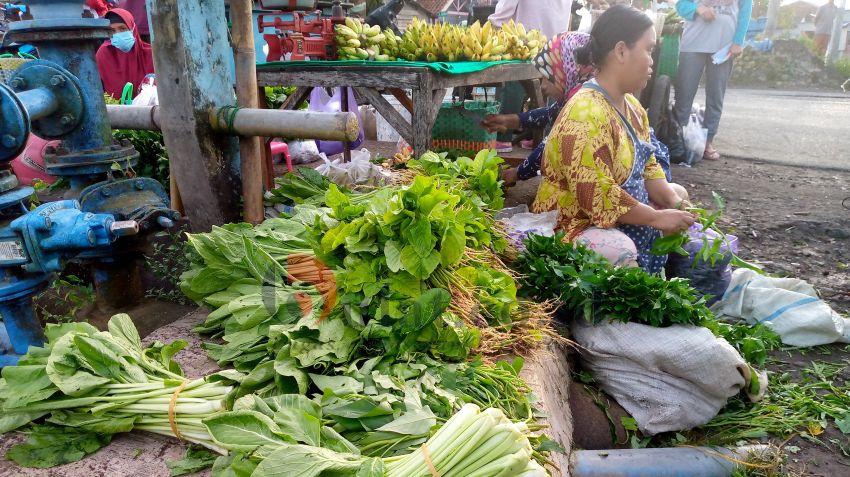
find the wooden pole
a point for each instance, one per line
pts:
(250, 152)
(192, 59)
(176, 200)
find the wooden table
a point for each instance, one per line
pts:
(427, 87)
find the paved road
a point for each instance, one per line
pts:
(789, 127)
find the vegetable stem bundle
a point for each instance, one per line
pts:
(105, 382)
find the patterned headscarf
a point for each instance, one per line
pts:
(557, 62)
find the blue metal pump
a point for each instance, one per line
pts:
(33, 247)
(60, 97)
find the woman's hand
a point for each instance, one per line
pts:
(706, 13)
(500, 122)
(671, 221)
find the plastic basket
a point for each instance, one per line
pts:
(668, 63)
(458, 126)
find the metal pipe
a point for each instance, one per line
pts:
(250, 153)
(39, 102)
(664, 462)
(288, 124)
(282, 123)
(134, 117)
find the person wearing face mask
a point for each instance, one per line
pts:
(599, 168)
(124, 58)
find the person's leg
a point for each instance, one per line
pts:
(691, 67)
(716, 78)
(612, 244)
(821, 42)
(512, 97)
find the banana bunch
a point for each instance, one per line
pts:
(483, 43)
(522, 44)
(358, 41)
(438, 42)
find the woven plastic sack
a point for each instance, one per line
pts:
(668, 379)
(788, 306)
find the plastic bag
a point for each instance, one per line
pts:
(790, 307)
(322, 103)
(695, 137)
(302, 152)
(359, 171)
(148, 95)
(706, 278)
(584, 25)
(520, 224)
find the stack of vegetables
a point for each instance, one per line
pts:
(391, 292)
(354, 326)
(283, 436)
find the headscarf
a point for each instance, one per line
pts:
(118, 68)
(557, 61)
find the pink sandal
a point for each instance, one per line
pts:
(711, 153)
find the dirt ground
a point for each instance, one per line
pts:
(792, 221)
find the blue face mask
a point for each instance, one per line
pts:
(124, 41)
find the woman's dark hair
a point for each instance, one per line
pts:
(618, 23)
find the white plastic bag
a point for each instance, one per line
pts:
(585, 24)
(302, 152)
(667, 379)
(147, 96)
(695, 137)
(360, 171)
(520, 223)
(788, 306)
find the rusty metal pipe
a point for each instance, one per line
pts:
(281, 123)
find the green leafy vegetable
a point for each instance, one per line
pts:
(195, 460)
(587, 285)
(48, 446)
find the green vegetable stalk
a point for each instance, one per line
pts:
(710, 250)
(471, 443)
(102, 383)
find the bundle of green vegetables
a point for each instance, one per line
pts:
(283, 436)
(93, 384)
(479, 175)
(584, 283)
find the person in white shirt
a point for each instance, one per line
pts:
(550, 17)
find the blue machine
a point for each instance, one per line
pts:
(60, 97)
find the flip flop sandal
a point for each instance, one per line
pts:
(711, 154)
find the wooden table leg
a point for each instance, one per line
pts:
(426, 104)
(388, 112)
(295, 99)
(346, 146)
